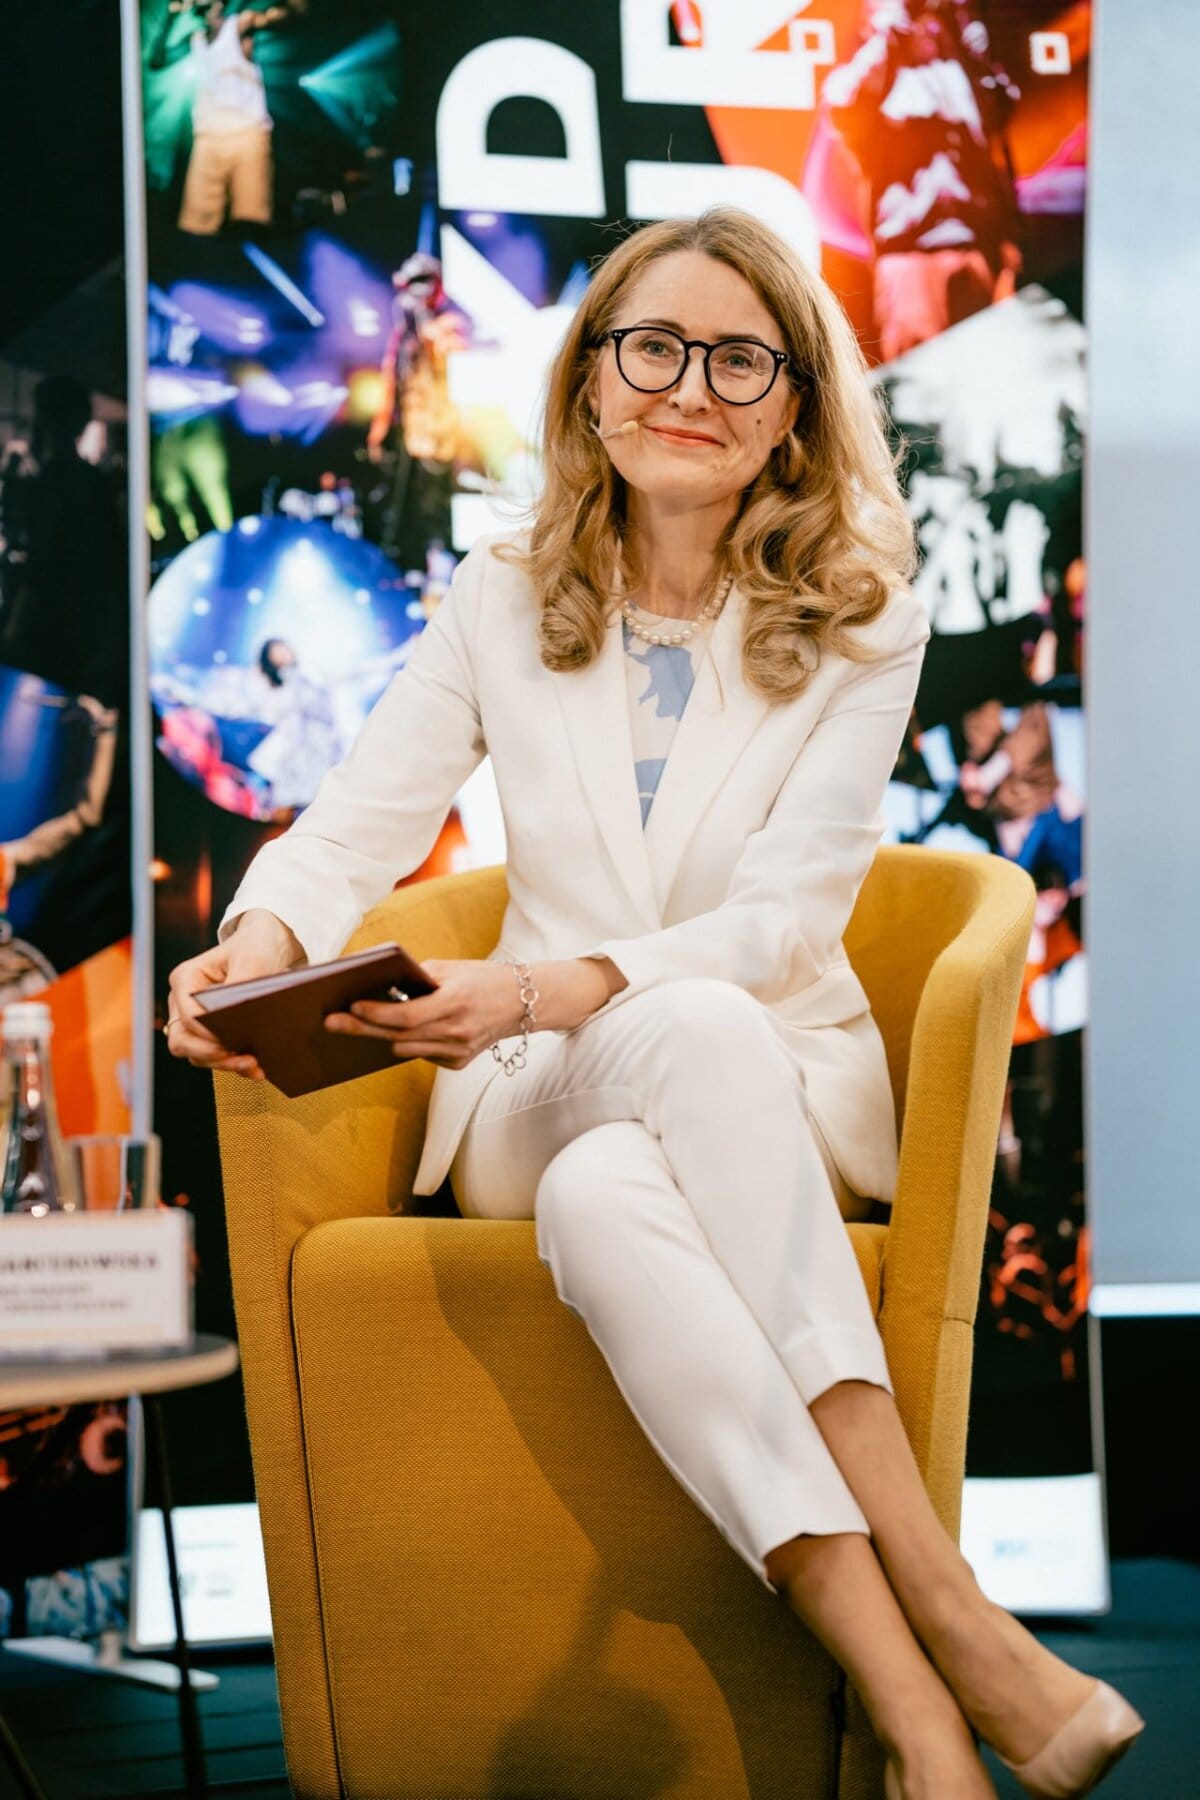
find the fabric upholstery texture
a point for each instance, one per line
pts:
(484, 1584)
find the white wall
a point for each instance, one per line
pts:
(1143, 648)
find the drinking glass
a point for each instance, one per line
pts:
(115, 1172)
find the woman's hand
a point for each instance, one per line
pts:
(477, 1003)
(261, 945)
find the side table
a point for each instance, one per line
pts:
(70, 1381)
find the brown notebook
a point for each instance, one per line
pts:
(280, 1019)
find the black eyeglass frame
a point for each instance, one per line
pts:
(619, 332)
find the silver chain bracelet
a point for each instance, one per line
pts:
(529, 997)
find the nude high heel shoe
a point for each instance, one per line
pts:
(1081, 1752)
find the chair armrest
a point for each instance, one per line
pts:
(349, 1151)
(288, 1165)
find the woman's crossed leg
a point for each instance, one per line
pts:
(686, 1212)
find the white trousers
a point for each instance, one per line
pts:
(686, 1210)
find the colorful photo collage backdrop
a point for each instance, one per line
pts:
(369, 223)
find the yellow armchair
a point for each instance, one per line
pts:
(484, 1584)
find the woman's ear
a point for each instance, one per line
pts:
(790, 417)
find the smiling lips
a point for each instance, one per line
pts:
(673, 436)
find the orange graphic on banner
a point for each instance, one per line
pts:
(92, 1008)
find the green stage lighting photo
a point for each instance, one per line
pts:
(356, 89)
(167, 111)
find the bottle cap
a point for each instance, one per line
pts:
(27, 1019)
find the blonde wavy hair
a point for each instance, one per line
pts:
(822, 536)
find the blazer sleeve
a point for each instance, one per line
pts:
(376, 816)
(794, 885)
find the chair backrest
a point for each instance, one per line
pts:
(913, 904)
(939, 940)
(447, 916)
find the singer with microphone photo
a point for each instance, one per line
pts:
(693, 674)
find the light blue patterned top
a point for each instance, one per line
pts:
(659, 679)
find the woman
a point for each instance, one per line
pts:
(693, 677)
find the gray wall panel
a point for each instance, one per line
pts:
(1143, 675)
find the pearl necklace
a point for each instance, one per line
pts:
(704, 617)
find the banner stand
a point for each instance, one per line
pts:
(1026, 1530)
(1037, 1543)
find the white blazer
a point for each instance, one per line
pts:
(763, 827)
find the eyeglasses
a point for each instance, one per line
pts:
(651, 358)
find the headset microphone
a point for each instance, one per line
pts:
(625, 430)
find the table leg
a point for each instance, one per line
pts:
(27, 1781)
(189, 1717)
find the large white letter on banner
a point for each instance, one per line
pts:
(469, 179)
(666, 190)
(727, 68)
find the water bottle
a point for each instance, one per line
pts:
(36, 1174)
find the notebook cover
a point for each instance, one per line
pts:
(280, 1019)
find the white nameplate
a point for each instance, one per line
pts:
(96, 1281)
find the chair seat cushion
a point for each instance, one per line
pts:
(488, 1513)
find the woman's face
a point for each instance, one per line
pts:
(692, 449)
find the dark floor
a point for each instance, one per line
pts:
(88, 1737)
(92, 1738)
(1149, 1647)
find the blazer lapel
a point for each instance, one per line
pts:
(595, 709)
(720, 717)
